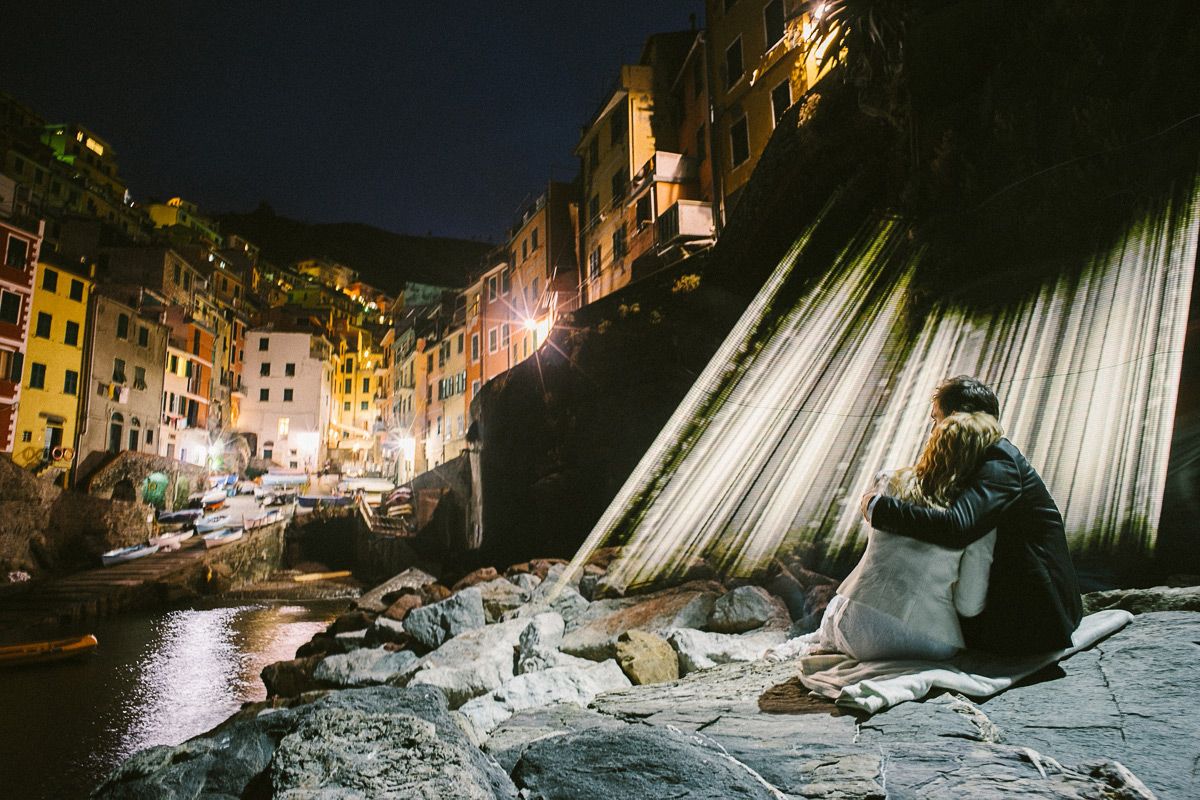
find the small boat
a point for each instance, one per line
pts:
(284, 479)
(314, 500)
(222, 536)
(308, 577)
(123, 554)
(172, 540)
(12, 655)
(210, 524)
(183, 515)
(368, 485)
(214, 499)
(266, 518)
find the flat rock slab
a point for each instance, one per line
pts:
(408, 579)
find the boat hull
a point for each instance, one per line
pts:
(126, 554)
(15, 655)
(221, 538)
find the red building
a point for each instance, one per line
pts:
(20, 241)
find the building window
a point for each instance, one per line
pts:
(264, 369)
(461, 338)
(10, 307)
(504, 335)
(773, 22)
(739, 141)
(474, 346)
(594, 152)
(524, 249)
(492, 340)
(37, 376)
(26, 436)
(76, 289)
(781, 98)
(149, 436)
(618, 242)
(364, 405)
(733, 63)
(71, 382)
(139, 377)
(348, 366)
(594, 209)
(71, 336)
(474, 388)
(118, 370)
(50, 280)
(284, 424)
(267, 453)
(18, 252)
(174, 364)
(44, 321)
(143, 337)
(347, 386)
(617, 124)
(645, 210)
(178, 273)
(594, 263)
(264, 395)
(366, 385)
(287, 395)
(262, 343)
(289, 370)
(618, 185)
(505, 281)
(533, 239)
(122, 326)
(346, 406)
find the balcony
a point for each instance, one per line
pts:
(685, 221)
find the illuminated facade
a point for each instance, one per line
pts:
(289, 379)
(20, 245)
(48, 414)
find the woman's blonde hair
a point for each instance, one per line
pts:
(951, 456)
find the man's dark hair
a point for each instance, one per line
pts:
(964, 393)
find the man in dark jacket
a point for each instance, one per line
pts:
(1033, 602)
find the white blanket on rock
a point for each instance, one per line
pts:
(874, 686)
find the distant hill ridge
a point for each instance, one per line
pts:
(383, 259)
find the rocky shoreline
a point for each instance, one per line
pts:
(498, 687)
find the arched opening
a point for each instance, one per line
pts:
(123, 490)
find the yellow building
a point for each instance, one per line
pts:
(48, 415)
(758, 68)
(359, 378)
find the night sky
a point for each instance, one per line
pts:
(418, 117)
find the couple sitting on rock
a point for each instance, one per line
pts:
(968, 549)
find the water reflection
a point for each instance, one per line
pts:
(156, 679)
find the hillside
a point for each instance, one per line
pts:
(383, 259)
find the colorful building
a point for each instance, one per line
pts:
(289, 378)
(49, 411)
(20, 245)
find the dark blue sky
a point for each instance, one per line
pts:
(413, 116)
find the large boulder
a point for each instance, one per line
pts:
(746, 608)
(290, 678)
(402, 605)
(567, 602)
(235, 759)
(339, 752)
(501, 596)
(538, 646)
(481, 575)
(470, 664)
(508, 742)
(363, 667)
(569, 684)
(652, 763)
(646, 658)
(597, 630)
(702, 649)
(433, 625)
(408, 579)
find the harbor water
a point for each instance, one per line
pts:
(157, 678)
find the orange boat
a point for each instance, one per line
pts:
(12, 655)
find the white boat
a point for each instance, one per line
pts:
(222, 536)
(210, 524)
(368, 485)
(172, 540)
(213, 499)
(123, 554)
(260, 520)
(284, 479)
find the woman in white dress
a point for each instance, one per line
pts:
(904, 598)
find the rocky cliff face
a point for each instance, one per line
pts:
(44, 529)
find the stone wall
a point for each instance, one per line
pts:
(136, 467)
(45, 530)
